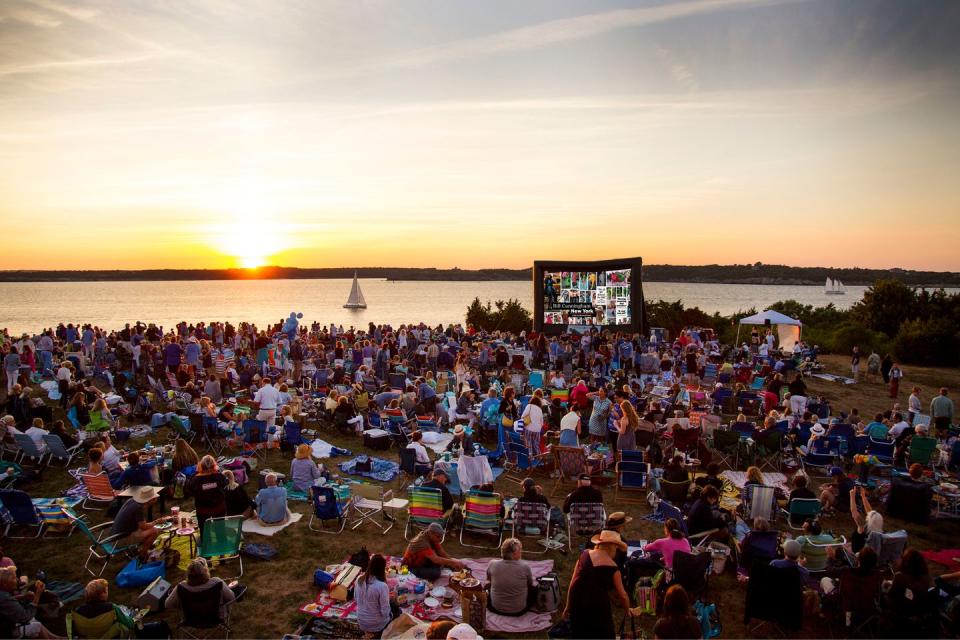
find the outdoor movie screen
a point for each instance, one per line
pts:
(576, 296)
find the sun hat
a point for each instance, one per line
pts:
(463, 631)
(818, 430)
(792, 548)
(145, 494)
(617, 519)
(458, 430)
(231, 401)
(609, 537)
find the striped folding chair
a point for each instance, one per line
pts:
(426, 508)
(584, 519)
(481, 515)
(99, 490)
(28, 449)
(532, 520)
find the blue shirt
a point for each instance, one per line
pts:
(877, 430)
(138, 476)
(373, 605)
(783, 563)
(272, 504)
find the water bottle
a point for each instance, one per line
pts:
(159, 457)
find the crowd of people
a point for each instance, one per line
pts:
(606, 391)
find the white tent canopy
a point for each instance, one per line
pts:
(788, 329)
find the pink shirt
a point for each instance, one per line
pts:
(666, 547)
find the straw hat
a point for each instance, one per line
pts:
(617, 519)
(818, 430)
(458, 430)
(609, 537)
(145, 494)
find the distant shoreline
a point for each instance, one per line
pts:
(759, 274)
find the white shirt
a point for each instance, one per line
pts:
(570, 421)
(111, 458)
(533, 418)
(898, 428)
(267, 397)
(36, 434)
(914, 403)
(63, 373)
(559, 383)
(422, 457)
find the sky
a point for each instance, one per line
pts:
(443, 133)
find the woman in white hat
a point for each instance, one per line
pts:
(588, 597)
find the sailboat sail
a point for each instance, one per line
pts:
(356, 301)
(834, 287)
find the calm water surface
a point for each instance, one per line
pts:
(34, 306)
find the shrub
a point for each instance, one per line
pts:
(934, 341)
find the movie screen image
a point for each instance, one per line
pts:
(585, 298)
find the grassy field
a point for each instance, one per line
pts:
(280, 586)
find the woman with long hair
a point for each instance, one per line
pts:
(675, 621)
(372, 597)
(673, 540)
(627, 427)
(183, 456)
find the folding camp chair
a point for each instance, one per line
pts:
(726, 446)
(757, 384)
(99, 490)
(22, 512)
(814, 461)
(665, 509)
(800, 510)
(774, 596)
(326, 507)
(535, 379)
(571, 462)
(632, 473)
(519, 461)
(181, 428)
(692, 571)
(888, 547)
(758, 547)
(674, 492)
(97, 423)
(293, 434)
(27, 449)
(426, 508)
(744, 429)
(769, 448)
(882, 449)
(532, 520)
(370, 500)
(409, 468)
(201, 614)
(56, 448)
(922, 450)
(9, 472)
(761, 502)
(102, 545)
(838, 543)
(212, 436)
(482, 515)
(860, 601)
(222, 539)
(584, 519)
(255, 435)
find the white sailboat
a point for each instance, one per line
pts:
(834, 288)
(355, 301)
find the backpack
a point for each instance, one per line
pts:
(548, 593)
(645, 592)
(709, 618)
(360, 558)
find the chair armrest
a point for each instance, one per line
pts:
(101, 525)
(702, 534)
(387, 496)
(74, 447)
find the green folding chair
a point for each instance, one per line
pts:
(221, 540)
(103, 547)
(923, 450)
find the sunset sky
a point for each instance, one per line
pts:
(208, 133)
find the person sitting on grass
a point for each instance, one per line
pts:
(512, 588)
(303, 470)
(426, 557)
(836, 495)
(238, 502)
(272, 503)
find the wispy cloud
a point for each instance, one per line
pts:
(564, 30)
(78, 63)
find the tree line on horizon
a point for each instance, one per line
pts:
(914, 325)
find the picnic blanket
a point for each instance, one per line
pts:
(950, 558)
(252, 525)
(322, 449)
(829, 377)
(78, 490)
(528, 622)
(439, 445)
(773, 479)
(382, 470)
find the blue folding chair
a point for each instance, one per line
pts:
(883, 449)
(56, 448)
(293, 434)
(255, 434)
(326, 507)
(22, 511)
(632, 473)
(27, 449)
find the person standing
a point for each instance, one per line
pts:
(600, 415)
(855, 363)
(588, 597)
(895, 374)
(267, 399)
(941, 412)
(914, 406)
(11, 365)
